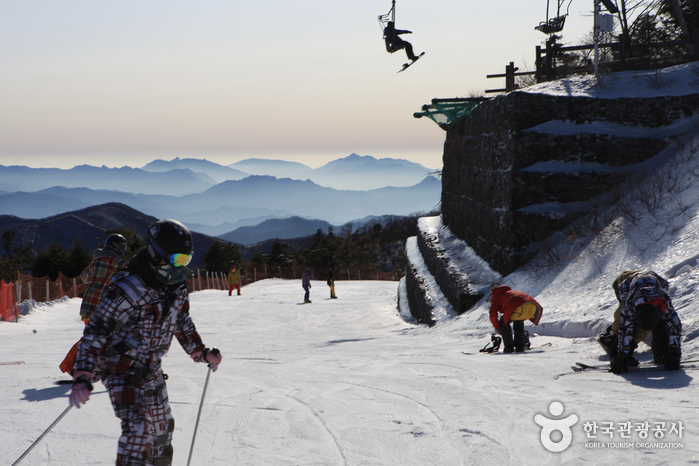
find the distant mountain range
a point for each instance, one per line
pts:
(217, 200)
(126, 179)
(233, 201)
(178, 177)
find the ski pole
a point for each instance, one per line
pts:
(42, 435)
(201, 405)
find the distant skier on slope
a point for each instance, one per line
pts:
(105, 262)
(306, 284)
(331, 283)
(233, 280)
(515, 307)
(646, 305)
(129, 334)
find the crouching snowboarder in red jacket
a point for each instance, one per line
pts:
(515, 307)
(127, 337)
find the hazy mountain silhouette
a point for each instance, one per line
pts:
(215, 171)
(354, 172)
(309, 200)
(366, 172)
(233, 201)
(125, 179)
(275, 168)
(282, 228)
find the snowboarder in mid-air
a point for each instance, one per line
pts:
(395, 43)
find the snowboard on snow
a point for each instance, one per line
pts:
(410, 63)
(642, 367)
(535, 349)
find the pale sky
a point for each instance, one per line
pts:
(122, 83)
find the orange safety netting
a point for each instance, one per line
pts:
(8, 302)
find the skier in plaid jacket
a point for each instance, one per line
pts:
(646, 304)
(129, 334)
(105, 262)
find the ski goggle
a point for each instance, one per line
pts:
(179, 259)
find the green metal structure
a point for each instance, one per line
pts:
(446, 111)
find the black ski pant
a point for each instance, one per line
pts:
(520, 338)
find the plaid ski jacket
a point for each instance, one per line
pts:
(639, 288)
(132, 329)
(97, 274)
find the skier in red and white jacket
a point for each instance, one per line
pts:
(129, 334)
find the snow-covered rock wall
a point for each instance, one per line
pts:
(526, 164)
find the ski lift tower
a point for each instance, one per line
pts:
(602, 23)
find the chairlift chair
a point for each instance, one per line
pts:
(555, 24)
(383, 22)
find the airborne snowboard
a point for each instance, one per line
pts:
(410, 63)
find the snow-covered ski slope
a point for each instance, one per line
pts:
(343, 382)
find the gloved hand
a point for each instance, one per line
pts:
(82, 387)
(672, 358)
(211, 356)
(620, 363)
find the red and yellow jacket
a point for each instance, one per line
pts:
(505, 301)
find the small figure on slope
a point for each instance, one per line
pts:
(508, 306)
(105, 262)
(233, 280)
(331, 283)
(306, 284)
(129, 334)
(646, 306)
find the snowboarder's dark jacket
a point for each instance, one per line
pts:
(645, 287)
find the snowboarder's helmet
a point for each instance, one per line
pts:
(116, 243)
(171, 241)
(647, 316)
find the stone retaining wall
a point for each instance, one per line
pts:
(496, 173)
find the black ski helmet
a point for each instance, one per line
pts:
(116, 243)
(167, 237)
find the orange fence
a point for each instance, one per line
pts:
(43, 289)
(8, 302)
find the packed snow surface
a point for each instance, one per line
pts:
(349, 382)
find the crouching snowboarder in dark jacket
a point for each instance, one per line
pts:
(646, 305)
(129, 334)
